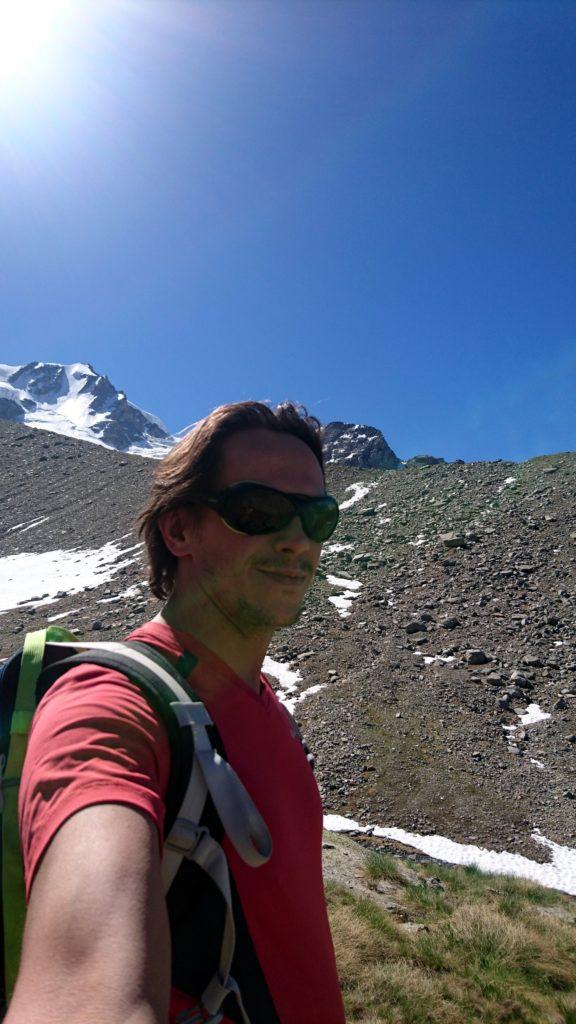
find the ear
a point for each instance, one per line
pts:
(177, 529)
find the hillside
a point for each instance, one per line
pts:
(406, 723)
(421, 943)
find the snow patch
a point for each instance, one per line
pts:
(530, 716)
(130, 592)
(429, 659)
(509, 480)
(343, 602)
(559, 873)
(359, 491)
(290, 680)
(62, 615)
(534, 714)
(336, 581)
(420, 539)
(46, 573)
(23, 527)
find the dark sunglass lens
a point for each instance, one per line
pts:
(257, 511)
(320, 519)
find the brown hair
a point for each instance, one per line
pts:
(188, 473)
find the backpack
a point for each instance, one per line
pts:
(202, 786)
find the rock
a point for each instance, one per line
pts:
(97, 625)
(520, 680)
(494, 678)
(477, 657)
(533, 661)
(407, 874)
(416, 626)
(560, 913)
(515, 693)
(450, 623)
(425, 460)
(453, 540)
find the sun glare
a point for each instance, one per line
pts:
(27, 28)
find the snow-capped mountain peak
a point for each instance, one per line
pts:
(75, 400)
(355, 444)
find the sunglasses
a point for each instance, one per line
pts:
(255, 509)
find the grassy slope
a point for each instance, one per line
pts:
(456, 947)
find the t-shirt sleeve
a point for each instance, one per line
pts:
(94, 739)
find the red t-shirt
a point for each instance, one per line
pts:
(94, 739)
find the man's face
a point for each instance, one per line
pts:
(258, 583)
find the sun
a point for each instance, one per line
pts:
(27, 27)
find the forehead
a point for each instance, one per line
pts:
(266, 457)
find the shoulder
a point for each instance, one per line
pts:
(94, 739)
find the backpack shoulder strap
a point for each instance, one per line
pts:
(15, 743)
(171, 694)
(162, 687)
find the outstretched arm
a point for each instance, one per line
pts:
(97, 943)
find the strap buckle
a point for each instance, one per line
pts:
(185, 837)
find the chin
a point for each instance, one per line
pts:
(288, 620)
(255, 619)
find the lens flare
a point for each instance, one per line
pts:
(27, 28)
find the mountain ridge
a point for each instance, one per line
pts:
(74, 400)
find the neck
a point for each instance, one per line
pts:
(195, 615)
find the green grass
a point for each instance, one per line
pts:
(383, 866)
(487, 956)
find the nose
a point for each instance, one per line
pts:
(293, 539)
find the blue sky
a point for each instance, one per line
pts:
(368, 207)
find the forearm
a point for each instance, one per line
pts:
(31, 1006)
(96, 946)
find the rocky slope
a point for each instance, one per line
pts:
(464, 616)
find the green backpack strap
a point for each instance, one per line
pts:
(13, 891)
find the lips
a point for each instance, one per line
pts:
(284, 574)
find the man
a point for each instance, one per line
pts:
(234, 562)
